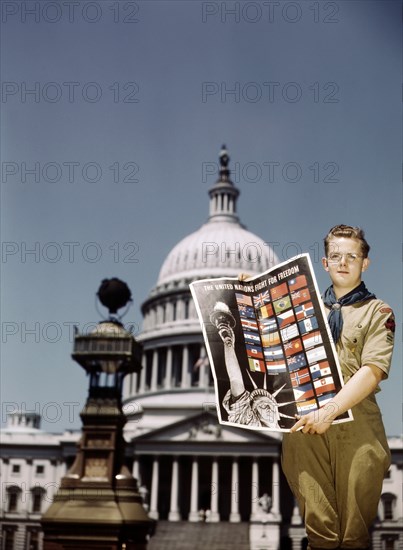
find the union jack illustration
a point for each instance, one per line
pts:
(261, 299)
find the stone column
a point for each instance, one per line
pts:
(154, 371)
(126, 387)
(235, 516)
(59, 470)
(134, 383)
(142, 374)
(203, 383)
(185, 367)
(168, 375)
(174, 514)
(28, 502)
(4, 494)
(275, 510)
(194, 492)
(136, 470)
(154, 490)
(214, 514)
(255, 490)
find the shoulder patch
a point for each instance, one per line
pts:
(385, 310)
(390, 324)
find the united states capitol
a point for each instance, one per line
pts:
(205, 484)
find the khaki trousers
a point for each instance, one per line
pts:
(337, 477)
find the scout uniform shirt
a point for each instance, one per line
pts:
(337, 477)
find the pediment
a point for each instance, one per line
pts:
(205, 428)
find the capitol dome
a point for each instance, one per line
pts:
(218, 249)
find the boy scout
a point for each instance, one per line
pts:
(336, 471)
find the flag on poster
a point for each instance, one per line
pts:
(265, 311)
(307, 325)
(294, 346)
(251, 337)
(279, 291)
(324, 385)
(243, 299)
(316, 354)
(267, 325)
(248, 324)
(300, 296)
(307, 406)
(289, 332)
(261, 299)
(296, 362)
(303, 311)
(277, 332)
(312, 339)
(297, 282)
(299, 377)
(274, 352)
(285, 318)
(271, 339)
(256, 365)
(320, 369)
(304, 392)
(246, 311)
(254, 351)
(276, 367)
(282, 304)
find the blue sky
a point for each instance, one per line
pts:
(113, 115)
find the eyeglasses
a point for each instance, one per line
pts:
(336, 257)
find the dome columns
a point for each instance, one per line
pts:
(171, 367)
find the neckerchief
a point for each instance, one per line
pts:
(335, 318)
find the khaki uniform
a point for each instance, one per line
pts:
(337, 477)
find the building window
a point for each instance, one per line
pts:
(8, 535)
(186, 309)
(37, 498)
(388, 501)
(16, 468)
(389, 542)
(32, 542)
(40, 470)
(388, 511)
(13, 496)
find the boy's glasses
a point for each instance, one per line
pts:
(336, 257)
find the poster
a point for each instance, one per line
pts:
(269, 346)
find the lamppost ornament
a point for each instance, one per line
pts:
(114, 294)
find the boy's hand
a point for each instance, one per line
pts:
(316, 422)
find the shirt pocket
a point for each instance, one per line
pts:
(352, 346)
(353, 340)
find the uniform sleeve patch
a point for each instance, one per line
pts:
(390, 324)
(385, 310)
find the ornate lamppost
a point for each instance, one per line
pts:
(98, 506)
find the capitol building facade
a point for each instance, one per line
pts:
(190, 469)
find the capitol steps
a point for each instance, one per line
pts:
(184, 535)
